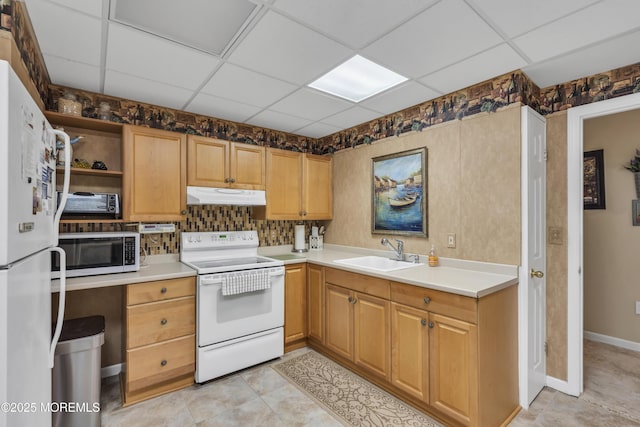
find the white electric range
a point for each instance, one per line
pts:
(240, 301)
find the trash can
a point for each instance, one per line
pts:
(76, 373)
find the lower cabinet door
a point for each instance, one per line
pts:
(295, 303)
(339, 321)
(410, 350)
(315, 302)
(453, 368)
(156, 363)
(372, 334)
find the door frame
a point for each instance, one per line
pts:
(575, 291)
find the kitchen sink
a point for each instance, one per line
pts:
(377, 263)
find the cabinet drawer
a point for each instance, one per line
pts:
(456, 306)
(160, 290)
(358, 282)
(160, 321)
(158, 363)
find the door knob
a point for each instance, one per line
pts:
(536, 273)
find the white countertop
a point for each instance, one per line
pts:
(468, 278)
(157, 267)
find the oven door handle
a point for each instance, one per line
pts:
(205, 281)
(277, 273)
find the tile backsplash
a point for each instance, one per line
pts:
(203, 218)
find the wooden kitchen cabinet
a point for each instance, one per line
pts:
(160, 324)
(102, 142)
(155, 168)
(315, 303)
(295, 306)
(298, 186)
(222, 164)
(410, 350)
(357, 323)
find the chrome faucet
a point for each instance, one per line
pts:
(397, 252)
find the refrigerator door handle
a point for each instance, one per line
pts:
(65, 184)
(61, 303)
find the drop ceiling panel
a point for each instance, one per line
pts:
(611, 54)
(488, 64)
(310, 104)
(221, 108)
(278, 121)
(399, 97)
(317, 130)
(516, 17)
(156, 59)
(137, 89)
(357, 23)
(249, 87)
(590, 25)
(352, 117)
(79, 39)
(73, 74)
(91, 7)
(441, 35)
(286, 50)
(206, 25)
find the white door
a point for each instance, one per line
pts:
(532, 292)
(25, 335)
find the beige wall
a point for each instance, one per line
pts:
(557, 252)
(611, 242)
(473, 179)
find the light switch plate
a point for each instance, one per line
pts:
(451, 240)
(555, 236)
(637, 307)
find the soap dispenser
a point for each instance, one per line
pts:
(433, 258)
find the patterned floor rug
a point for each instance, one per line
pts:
(353, 400)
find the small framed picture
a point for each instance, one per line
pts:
(635, 211)
(594, 180)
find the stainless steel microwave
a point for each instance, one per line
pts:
(90, 254)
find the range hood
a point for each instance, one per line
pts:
(225, 196)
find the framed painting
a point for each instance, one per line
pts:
(593, 193)
(635, 212)
(399, 193)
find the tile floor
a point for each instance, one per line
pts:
(259, 396)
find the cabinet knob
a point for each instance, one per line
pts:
(304, 213)
(183, 212)
(163, 290)
(431, 325)
(232, 180)
(350, 299)
(163, 363)
(423, 322)
(354, 300)
(163, 322)
(226, 180)
(427, 300)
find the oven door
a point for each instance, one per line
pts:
(222, 318)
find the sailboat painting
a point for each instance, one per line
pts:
(399, 193)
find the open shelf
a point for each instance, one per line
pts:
(83, 122)
(91, 172)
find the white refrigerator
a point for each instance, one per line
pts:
(28, 234)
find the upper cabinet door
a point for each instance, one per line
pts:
(247, 169)
(208, 162)
(284, 184)
(155, 174)
(318, 192)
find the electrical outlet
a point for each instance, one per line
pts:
(451, 240)
(637, 307)
(555, 235)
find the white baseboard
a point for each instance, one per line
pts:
(109, 371)
(618, 342)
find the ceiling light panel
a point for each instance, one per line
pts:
(357, 79)
(206, 25)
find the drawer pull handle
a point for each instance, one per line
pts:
(163, 322)
(423, 322)
(431, 325)
(163, 363)
(427, 300)
(163, 290)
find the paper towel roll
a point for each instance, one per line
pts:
(314, 231)
(299, 238)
